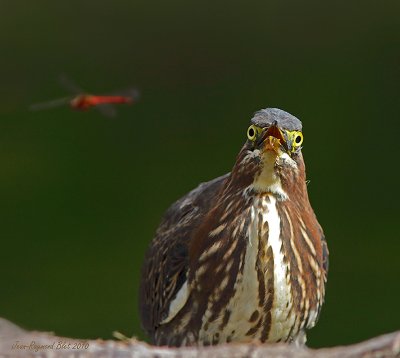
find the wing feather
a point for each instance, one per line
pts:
(166, 264)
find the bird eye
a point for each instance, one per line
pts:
(297, 139)
(252, 132)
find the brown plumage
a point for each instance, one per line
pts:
(242, 257)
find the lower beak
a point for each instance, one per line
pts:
(273, 139)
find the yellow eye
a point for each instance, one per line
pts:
(252, 132)
(297, 139)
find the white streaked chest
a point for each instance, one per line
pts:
(282, 316)
(242, 304)
(245, 300)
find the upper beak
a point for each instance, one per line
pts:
(273, 139)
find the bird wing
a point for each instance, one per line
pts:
(166, 263)
(325, 257)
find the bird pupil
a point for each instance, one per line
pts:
(298, 139)
(251, 132)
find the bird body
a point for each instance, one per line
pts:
(240, 258)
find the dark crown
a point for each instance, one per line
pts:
(267, 116)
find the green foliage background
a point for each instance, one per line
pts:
(81, 195)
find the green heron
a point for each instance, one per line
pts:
(242, 257)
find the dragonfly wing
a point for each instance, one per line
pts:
(132, 93)
(107, 110)
(69, 85)
(50, 104)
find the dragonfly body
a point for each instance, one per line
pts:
(83, 101)
(86, 101)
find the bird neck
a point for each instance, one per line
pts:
(293, 182)
(282, 177)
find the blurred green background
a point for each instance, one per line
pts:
(81, 195)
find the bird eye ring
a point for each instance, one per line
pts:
(252, 132)
(297, 139)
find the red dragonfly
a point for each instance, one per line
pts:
(82, 101)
